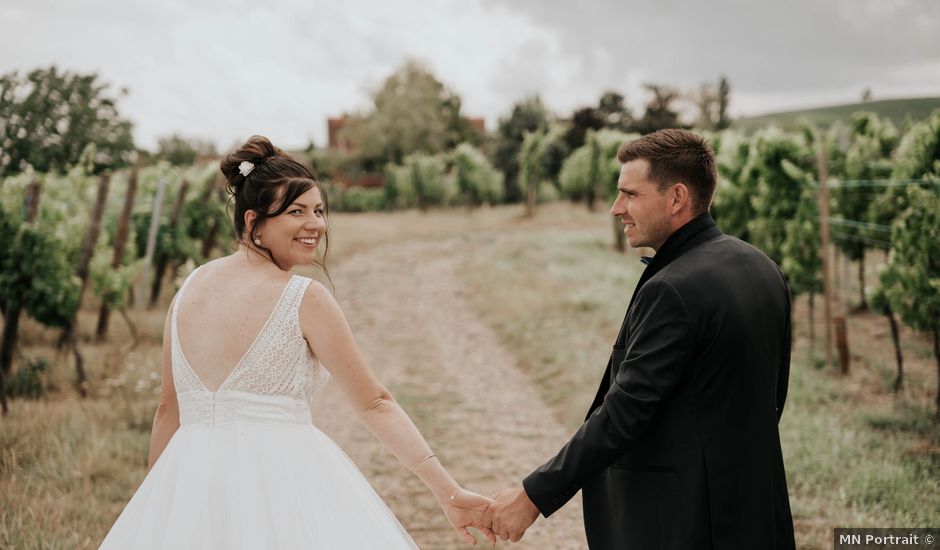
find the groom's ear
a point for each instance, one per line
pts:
(680, 197)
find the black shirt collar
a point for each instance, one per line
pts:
(698, 229)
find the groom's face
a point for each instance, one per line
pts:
(642, 208)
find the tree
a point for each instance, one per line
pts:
(802, 263)
(737, 183)
(868, 157)
(181, 151)
(918, 154)
(913, 272)
(35, 278)
(577, 173)
(528, 115)
(531, 166)
(659, 111)
(540, 160)
(779, 164)
(206, 216)
(424, 175)
(880, 302)
(712, 103)
(399, 191)
(724, 101)
(613, 112)
(582, 121)
(590, 173)
(475, 177)
(917, 158)
(554, 152)
(706, 101)
(50, 117)
(413, 112)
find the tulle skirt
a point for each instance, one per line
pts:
(255, 486)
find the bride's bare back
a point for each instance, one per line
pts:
(222, 312)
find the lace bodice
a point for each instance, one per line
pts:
(274, 381)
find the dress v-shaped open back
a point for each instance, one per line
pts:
(247, 469)
(184, 361)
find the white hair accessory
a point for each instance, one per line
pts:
(245, 168)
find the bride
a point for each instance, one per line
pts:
(235, 460)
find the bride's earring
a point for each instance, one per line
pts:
(257, 241)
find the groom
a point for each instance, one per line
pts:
(680, 449)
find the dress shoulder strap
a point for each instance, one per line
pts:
(299, 285)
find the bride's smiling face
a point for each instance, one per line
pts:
(294, 235)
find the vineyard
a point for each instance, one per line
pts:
(121, 235)
(94, 241)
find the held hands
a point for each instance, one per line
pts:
(507, 515)
(510, 514)
(464, 509)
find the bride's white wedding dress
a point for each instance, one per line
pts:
(247, 468)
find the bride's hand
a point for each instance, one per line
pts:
(464, 509)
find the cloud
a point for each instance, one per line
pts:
(222, 70)
(773, 48)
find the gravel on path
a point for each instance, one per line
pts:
(448, 369)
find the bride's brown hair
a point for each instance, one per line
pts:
(276, 178)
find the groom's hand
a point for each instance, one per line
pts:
(510, 514)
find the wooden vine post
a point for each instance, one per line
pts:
(162, 260)
(120, 243)
(83, 270)
(824, 249)
(140, 299)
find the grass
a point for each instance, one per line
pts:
(852, 462)
(555, 292)
(57, 452)
(558, 297)
(54, 457)
(856, 455)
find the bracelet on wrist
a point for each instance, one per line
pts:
(418, 463)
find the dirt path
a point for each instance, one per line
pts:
(449, 370)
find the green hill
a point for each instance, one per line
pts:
(895, 109)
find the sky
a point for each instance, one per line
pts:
(222, 70)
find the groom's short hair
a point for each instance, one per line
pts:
(676, 156)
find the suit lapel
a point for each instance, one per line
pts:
(688, 236)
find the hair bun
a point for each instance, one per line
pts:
(257, 150)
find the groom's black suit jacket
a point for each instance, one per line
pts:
(680, 449)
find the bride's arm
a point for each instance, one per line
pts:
(166, 420)
(331, 340)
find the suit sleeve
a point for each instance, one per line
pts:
(656, 360)
(783, 372)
